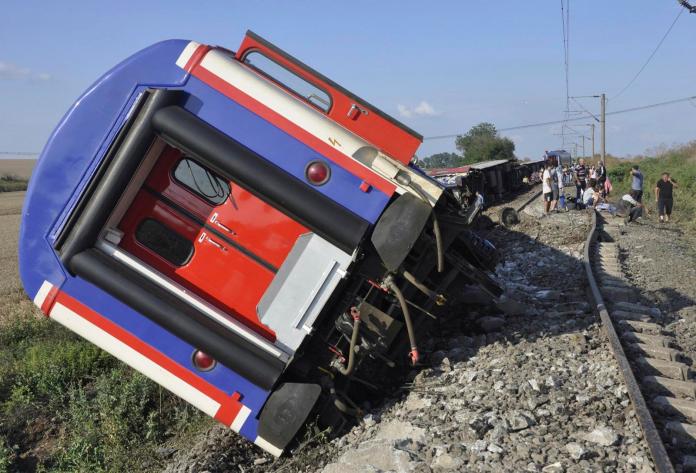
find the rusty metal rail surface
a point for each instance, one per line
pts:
(528, 201)
(650, 431)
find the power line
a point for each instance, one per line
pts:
(584, 117)
(681, 10)
(586, 110)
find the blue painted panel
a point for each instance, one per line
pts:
(76, 147)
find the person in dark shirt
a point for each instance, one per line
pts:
(580, 178)
(664, 196)
(602, 177)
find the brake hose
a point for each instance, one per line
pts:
(348, 369)
(405, 179)
(413, 354)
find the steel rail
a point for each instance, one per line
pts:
(528, 201)
(650, 432)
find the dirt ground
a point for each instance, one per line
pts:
(10, 210)
(17, 167)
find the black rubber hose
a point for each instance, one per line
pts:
(436, 229)
(407, 317)
(348, 369)
(420, 286)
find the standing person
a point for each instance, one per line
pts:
(555, 184)
(546, 188)
(561, 203)
(580, 179)
(663, 196)
(637, 183)
(602, 176)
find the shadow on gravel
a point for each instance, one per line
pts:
(517, 386)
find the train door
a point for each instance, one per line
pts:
(209, 235)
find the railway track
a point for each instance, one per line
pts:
(660, 379)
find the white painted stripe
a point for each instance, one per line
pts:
(311, 120)
(187, 53)
(192, 299)
(242, 416)
(267, 446)
(40, 296)
(131, 357)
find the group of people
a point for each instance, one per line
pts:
(592, 189)
(590, 184)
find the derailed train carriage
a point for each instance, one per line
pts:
(243, 231)
(491, 179)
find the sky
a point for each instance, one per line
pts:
(438, 66)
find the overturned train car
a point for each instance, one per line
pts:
(243, 231)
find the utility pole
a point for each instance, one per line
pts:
(603, 123)
(583, 145)
(592, 126)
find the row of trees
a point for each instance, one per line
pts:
(481, 143)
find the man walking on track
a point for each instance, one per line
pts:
(637, 183)
(663, 196)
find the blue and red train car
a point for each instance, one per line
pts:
(243, 231)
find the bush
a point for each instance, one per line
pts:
(6, 456)
(117, 423)
(11, 183)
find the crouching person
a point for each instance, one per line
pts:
(591, 196)
(629, 208)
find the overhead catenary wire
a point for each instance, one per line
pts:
(640, 71)
(583, 117)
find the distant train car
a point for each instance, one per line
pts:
(244, 231)
(561, 157)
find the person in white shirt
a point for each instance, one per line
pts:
(546, 187)
(590, 197)
(629, 208)
(561, 204)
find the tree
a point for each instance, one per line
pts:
(482, 143)
(442, 160)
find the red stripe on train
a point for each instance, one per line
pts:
(229, 405)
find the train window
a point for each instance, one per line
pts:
(165, 242)
(289, 80)
(201, 181)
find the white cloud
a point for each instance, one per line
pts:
(9, 71)
(423, 109)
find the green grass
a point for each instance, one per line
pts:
(680, 162)
(11, 183)
(73, 407)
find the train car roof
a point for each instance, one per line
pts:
(437, 172)
(489, 164)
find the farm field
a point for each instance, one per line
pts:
(17, 167)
